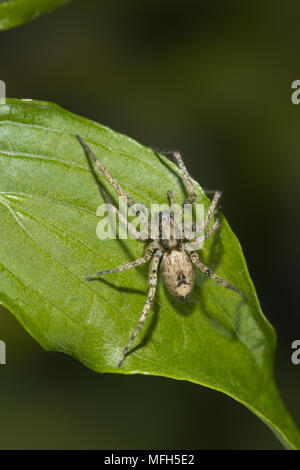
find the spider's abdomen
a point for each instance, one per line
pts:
(178, 273)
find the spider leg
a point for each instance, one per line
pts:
(195, 259)
(170, 197)
(121, 217)
(213, 228)
(197, 244)
(200, 230)
(188, 180)
(107, 175)
(124, 267)
(152, 289)
(211, 209)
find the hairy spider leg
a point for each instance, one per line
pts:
(124, 267)
(204, 236)
(104, 171)
(170, 196)
(187, 178)
(121, 217)
(195, 259)
(200, 230)
(152, 289)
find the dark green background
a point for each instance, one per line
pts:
(212, 79)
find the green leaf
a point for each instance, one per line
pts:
(48, 245)
(16, 12)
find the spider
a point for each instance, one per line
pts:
(177, 258)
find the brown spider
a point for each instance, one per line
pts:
(177, 257)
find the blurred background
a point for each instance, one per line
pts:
(212, 79)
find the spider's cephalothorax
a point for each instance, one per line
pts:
(176, 257)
